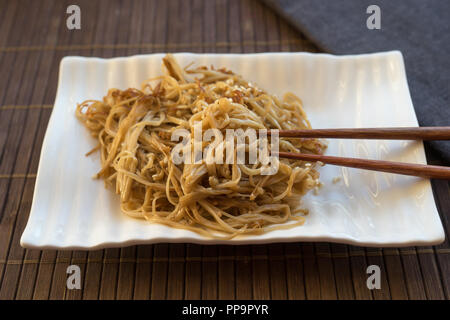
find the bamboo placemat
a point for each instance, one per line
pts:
(34, 38)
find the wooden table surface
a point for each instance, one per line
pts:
(34, 38)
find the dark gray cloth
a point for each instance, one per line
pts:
(419, 29)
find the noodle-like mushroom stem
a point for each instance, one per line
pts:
(134, 128)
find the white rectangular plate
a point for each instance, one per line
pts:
(73, 211)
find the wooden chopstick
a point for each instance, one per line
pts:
(410, 169)
(406, 133)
